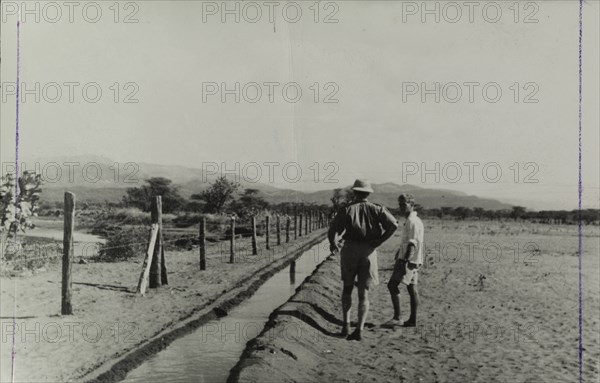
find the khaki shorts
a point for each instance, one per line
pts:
(402, 274)
(358, 260)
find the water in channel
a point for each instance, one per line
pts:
(209, 353)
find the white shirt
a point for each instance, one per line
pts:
(412, 234)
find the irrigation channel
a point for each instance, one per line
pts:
(209, 353)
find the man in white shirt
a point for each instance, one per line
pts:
(409, 259)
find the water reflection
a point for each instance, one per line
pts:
(209, 353)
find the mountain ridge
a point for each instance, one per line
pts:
(98, 179)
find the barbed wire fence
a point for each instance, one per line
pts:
(225, 236)
(183, 236)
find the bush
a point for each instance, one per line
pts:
(217, 223)
(29, 253)
(168, 218)
(130, 216)
(187, 220)
(123, 244)
(143, 196)
(180, 242)
(105, 229)
(246, 231)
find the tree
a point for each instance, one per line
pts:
(463, 212)
(19, 201)
(217, 195)
(446, 211)
(194, 205)
(479, 212)
(337, 199)
(434, 212)
(250, 203)
(419, 209)
(284, 208)
(491, 214)
(589, 216)
(142, 197)
(517, 212)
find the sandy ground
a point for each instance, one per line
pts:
(109, 318)
(521, 325)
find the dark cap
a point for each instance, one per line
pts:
(408, 198)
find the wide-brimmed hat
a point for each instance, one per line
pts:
(362, 186)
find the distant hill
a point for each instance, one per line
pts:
(191, 181)
(83, 194)
(387, 194)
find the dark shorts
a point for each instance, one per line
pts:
(402, 274)
(358, 261)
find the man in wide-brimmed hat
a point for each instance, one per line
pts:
(365, 226)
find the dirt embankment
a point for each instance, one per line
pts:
(287, 349)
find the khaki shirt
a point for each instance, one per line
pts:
(412, 234)
(363, 221)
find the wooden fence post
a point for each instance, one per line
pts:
(143, 282)
(155, 266)
(295, 224)
(232, 241)
(293, 272)
(163, 266)
(287, 229)
(278, 231)
(254, 248)
(267, 233)
(305, 223)
(203, 243)
(69, 225)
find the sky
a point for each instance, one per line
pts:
(373, 66)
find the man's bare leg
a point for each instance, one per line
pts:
(363, 310)
(395, 295)
(414, 304)
(346, 306)
(363, 306)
